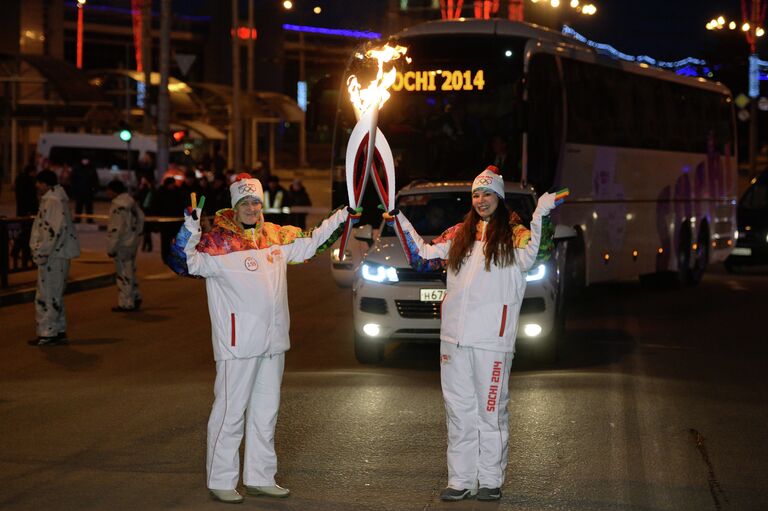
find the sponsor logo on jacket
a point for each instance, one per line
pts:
(251, 264)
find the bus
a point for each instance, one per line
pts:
(649, 155)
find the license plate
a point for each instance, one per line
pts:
(742, 251)
(432, 295)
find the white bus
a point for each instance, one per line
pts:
(112, 158)
(649, 156)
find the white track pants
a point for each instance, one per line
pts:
(246, 398)
(127, 283)
(475, 388)
(49, 298)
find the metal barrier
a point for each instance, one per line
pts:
(15, 255)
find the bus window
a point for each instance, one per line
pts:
(545, 124)
(459, 93)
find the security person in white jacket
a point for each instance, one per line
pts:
(487, 256)
(53, 243)
(124, 231)
(244, 261)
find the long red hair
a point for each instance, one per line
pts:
(499, 246)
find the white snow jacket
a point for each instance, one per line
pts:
(481, 308)
(53, 233)
(245, 272)
(126, 223)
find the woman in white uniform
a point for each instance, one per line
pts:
(244, 261)
(487, 256)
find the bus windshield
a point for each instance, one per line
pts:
(454, 109)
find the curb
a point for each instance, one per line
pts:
(27, 295)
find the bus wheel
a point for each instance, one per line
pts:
(684, 255)
(367, 350)
(700, 253)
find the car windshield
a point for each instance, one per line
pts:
(756, 198)
(432, 213)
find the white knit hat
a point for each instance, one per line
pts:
(245, 186)
(490, 179)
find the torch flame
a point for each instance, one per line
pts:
(376, 93)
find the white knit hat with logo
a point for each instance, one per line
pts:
(490, 179)
(244, 186)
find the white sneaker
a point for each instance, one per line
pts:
(270, 491)
(226, 496)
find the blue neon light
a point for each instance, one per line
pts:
(754, 76)
(117, 10)
(332, 31)
(610, 50)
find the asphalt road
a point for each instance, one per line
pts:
(660, 404)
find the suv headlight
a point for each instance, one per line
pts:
(379, 273)
(537, 273)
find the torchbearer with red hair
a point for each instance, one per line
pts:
(244, 261)
(487, 256)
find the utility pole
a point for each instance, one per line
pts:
(235, 119)
(163, 119)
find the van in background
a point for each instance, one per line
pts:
(112, 158)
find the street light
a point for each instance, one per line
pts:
(752, 27)
(80, 6)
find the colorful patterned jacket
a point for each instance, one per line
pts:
(481, 307)
(245, 272)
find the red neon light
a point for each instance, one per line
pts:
(136, 8)
(244, 33)
(485, 8)
(448, 11)
(79, 36)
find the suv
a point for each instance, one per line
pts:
(393, 302)
(752, 237)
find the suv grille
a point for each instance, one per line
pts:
(418, 310)
(411, 275)
(373, 305)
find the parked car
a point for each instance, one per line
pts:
(752, 218)
(394, 303)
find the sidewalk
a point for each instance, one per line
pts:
(94, 269)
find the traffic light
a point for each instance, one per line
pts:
(178, 137)
(125, 135)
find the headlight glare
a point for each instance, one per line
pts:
(379, 273)
(537, 273)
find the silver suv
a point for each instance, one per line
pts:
(393, 302)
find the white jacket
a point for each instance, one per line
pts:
(481, 308)
(247, 288)
(53, 233)
(126, 223)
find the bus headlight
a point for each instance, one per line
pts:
(379, 273)
(536, 273)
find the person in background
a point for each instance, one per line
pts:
(126, 223)
(487, 257)
(219, 194)
(144, 196)
(84, 183)
(53, 243)
(26, 205)
(167, 204)
(244, 260)
(298, 196)
(275, 199)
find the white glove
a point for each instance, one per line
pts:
(546, 204)
(192, 219)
